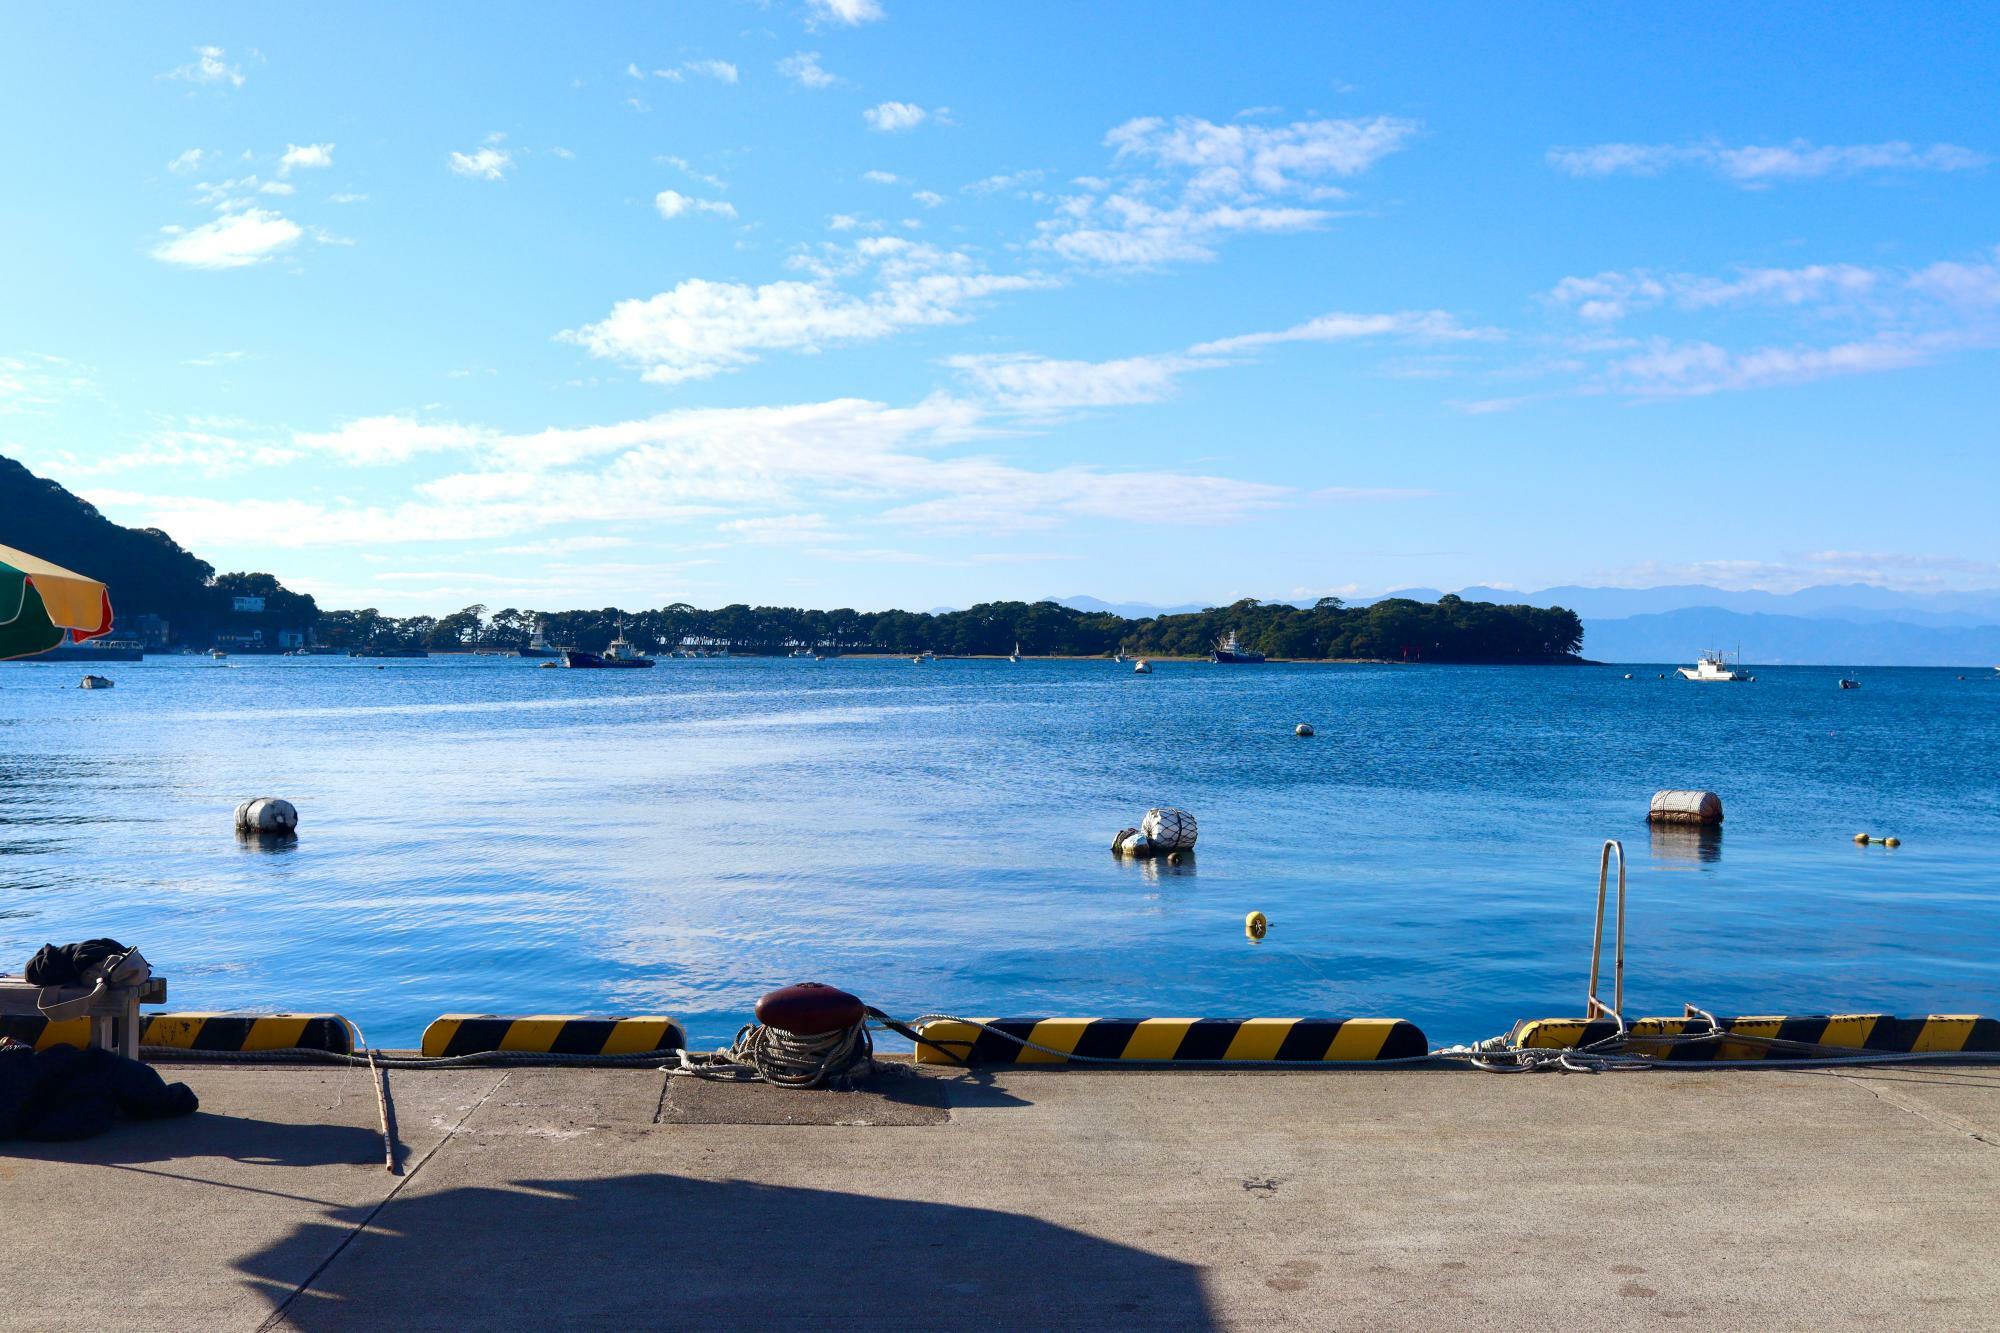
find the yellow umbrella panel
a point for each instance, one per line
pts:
(42, 604)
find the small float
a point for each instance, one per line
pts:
(1142, 668)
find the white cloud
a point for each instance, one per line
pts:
(186, 162)
(1755, 165)
(782, 529)
(1198, 182)
(719, 70)
(277, 187)
(1035, 384)
(1670, 369)
(891, 117)
(484, 164)
(673, 204)
(1613, 295)
(687, 169)
(881, 178)
(234, 240)
(210, 66)
(311, 156)
(391, 439)
(1435, 325)
(1012, 180)
(929, 198)
(701, 328)
(848, 13)
(32, 383)
(804, 69)
(1238, 161)
(347, 197)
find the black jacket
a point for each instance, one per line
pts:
(66, 1093)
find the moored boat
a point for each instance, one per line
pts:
(1713, 666)
(619, 654)
(1228, 650)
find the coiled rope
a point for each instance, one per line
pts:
(785, 1059)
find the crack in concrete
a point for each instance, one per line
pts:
(271, 1320)
(1923, 1110)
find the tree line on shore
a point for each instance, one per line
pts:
(1449, 630)
(152, 575)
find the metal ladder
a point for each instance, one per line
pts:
(1594, 1007)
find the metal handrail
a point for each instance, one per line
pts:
(1594, 1006)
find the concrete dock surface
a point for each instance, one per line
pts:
(540, 1197)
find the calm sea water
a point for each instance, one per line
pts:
(482, 835)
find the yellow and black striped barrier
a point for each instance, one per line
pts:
(248, 1032)
(551, 1034)
(1774, 1037)
(199, 1032)
(41, 1034)
(1171, 1040)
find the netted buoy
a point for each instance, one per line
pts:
(1685, 807)
(1303, 729)
(266, 814)
(1255, 925)
(96, 683)
(1168, 829)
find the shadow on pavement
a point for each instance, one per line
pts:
(206, 1134)
(662, 1250)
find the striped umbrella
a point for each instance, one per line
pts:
(42, 604)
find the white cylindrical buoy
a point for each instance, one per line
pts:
(96, 683)
(1303, 729)
(1685, 807)
(1169, 829)
(267, 814)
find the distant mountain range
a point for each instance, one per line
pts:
(1848, 624)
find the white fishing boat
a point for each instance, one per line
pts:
(1714, 666)
(1142, 668)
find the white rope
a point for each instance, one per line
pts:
(785, 1059)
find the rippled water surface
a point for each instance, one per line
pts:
(483, 835)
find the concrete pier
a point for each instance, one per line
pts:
(535, 1197)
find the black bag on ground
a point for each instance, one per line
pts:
(65, 1093)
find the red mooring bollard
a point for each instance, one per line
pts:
(810, 1009)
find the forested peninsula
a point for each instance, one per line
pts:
(1448, 630)
(151, 576)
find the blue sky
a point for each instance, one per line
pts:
(873, 303)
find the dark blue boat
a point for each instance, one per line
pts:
(1228, 651)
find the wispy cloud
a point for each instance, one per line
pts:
(310, 156)
(1191, 182)
(672, 204)
(892, 117)
(489, 164)
(1760, 165)
(843, 13)
(234, 240)
(702, 328)
(209, 66)
(804, 69)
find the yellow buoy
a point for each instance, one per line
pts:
(1892, 842)
(1861, 838)
(1255, 925)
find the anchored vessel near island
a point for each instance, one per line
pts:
(1228, 650)
(619, 654)
(1713, 666)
